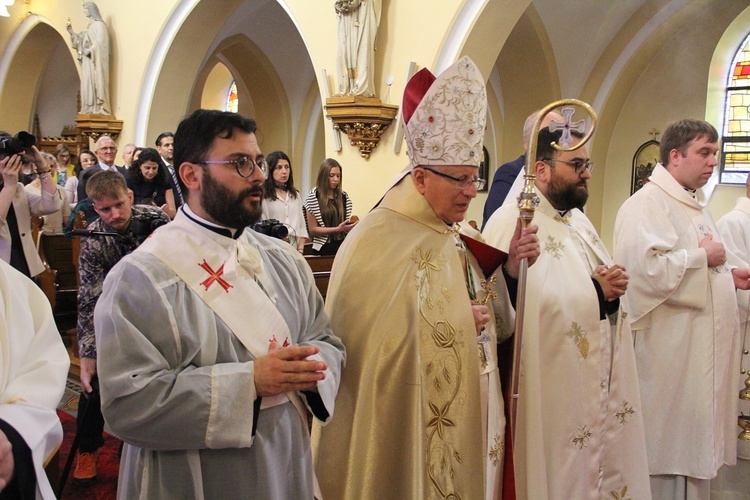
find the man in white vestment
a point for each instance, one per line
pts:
(420, 307)
(734, 229)
(579, 428)
(33, 369)
(212, 341)
(684, 318)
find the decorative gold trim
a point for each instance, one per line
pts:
(94, 126)
(362, 119)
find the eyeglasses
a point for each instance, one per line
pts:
(244, 165)
(463, 182)
(107, 148)
(578, 165)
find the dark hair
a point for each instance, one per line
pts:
(269, 185)
(680, 134)
(544, 148)
(197, 132)
(162, 136)
(331, 202)
(78, 168)
(149, 154)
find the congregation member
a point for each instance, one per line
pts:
(420, 411)
(34, 368)
(734, 230)
(54, 222)
(505, 176)
(106, 152)
(86, 160)
(127, 154)
(17, 206)
(149, 181)
(112, 202)
(211, 352)
(66, 169)
(282, 201)
(165, 147)
(683, 310)
(328, 210)
(579, 431)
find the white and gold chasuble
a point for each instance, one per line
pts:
(684, 320)
(417, 414)
(579, 432)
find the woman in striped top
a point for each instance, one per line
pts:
(328, 209)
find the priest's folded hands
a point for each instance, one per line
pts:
(613, 280)
(286, 369)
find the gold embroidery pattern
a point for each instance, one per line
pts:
(496, 452)
(620, 495)
(554, 247)
(581, 440)
(565, 220)
(580, 336)
(444, 375)
(624, 411)
(594, 238)
(623, 315)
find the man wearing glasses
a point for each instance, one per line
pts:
(580, 421)
(212, 339)
(420, 308)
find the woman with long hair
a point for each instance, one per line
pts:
(281, 200)
(86, 160)
(328, 210)
(65, 170)
(149, 181)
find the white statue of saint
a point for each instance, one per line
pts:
(358, 28)
(92, 47)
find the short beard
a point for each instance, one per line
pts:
(226, 208)
(566, 196)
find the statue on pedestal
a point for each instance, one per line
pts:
(92, 47)
(358, 27)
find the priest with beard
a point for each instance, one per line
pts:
(213, 343)
(579, 430)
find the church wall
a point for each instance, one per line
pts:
(672, 86)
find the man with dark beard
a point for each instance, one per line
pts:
(213, 343)
(580, 425)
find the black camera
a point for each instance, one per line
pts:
(144, 223)
(271, 227)
(17, 144)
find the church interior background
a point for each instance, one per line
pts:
(641, 64)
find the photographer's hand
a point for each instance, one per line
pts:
(10, 166)
(88, 370)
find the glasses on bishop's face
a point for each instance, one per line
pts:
(244, 165)
(578, 164)
(462, 182)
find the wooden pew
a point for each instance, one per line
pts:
(321, 268)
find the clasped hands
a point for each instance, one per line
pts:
(613, 280)
(286, 369)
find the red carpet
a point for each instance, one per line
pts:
(108, 466)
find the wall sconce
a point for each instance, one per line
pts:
(362, 119)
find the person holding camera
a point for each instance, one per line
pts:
(17, 206)
(281, 200)
(121, 227)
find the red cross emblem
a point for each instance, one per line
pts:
(273, 339)
(214, 277)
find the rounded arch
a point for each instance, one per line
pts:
(30, 51)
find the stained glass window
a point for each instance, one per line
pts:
(735, 149)
(233, 102)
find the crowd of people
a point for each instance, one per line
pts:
(207, 347)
